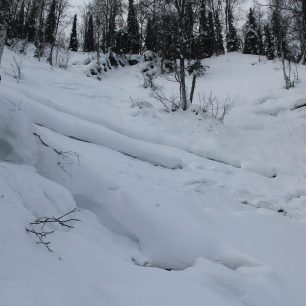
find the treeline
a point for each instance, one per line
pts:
(41, 22)
(206, 26)
(277, 29)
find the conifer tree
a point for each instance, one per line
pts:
(269, 46)
(51, 23)
(74, 43)
(30, 26)
(150, 40)
(20, 22)
(189, 31)
(232, 41)
(206, 38)
(89, 44)
(134, 39)
(203, 30)
(251, 42)
(121, 39)
(219, 43)
(210, 35)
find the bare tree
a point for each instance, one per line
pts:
(61, 7)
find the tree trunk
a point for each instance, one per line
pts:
(183, 84)
(194, 79)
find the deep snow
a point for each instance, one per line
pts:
(175, 208)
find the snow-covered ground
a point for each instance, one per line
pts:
(175, 208)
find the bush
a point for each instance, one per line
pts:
(213, 107)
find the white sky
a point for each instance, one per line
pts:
(76, 5)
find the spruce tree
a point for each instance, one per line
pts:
(203, 30)
(51, 23)
(30, 26)
(232, 41)
(189, 47)
(89, 44)
(219, 43)
(150, 40)
(210, 35)
(20, 22)
(134, 39)
(269, 46)
(205, 41)
(121, 39)
(74, 43)
(251, 42)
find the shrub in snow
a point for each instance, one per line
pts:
(95, 70)
(17, 143)
(113, 60)
(148, 56)
(170, 103)
(149, 72)
(213, 107)
(140, 104)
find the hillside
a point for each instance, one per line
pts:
(175, 208)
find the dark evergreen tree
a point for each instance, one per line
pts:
(51, 23)
(210, 35)
(251, 42)
(30, 26)
(269, 46)
(151, 39)
(205, 40)
(201, 39)
(219, 43)
(189, 37)
(134, 39)
(74, 42)
(121, 39)
(89, 42)
(232, 40)
(169, 36)
(20, 31)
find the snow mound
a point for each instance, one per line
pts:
(86, 131)
(38, 195)
(17, 143)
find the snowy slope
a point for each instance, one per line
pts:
(175, 209)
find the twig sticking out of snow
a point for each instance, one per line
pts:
(61, 154)
(42, 234)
